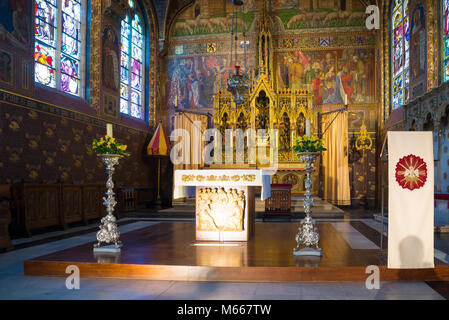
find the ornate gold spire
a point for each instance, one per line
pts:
(264, 57)
(264, 23)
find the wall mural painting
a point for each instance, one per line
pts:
(6, 67)
(418, 49)
(14, 22)
(319, 18)
(110, 58)
(192, 80)
(208, 17)
(445, 32)
(220, 23)
(285, 4)
(110, 105)
(355, 120)
(332, 74)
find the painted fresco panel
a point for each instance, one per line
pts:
(192, 81)
(14, 22)
(202, 18)
(418, 48)
(6, 68)
(332, 73)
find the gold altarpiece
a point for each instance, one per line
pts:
(266, 107)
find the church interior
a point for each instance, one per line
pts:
(224, 149)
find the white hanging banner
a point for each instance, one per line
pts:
(410, 200)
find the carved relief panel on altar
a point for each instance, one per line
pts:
(222, 214)
(220, 209)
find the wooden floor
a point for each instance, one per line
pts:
(168, 251)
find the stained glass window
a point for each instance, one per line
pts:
(58, 44)
(445, 34)
(400, 25)
(131, 66)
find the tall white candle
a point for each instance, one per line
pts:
(109, 129)
(308, 127)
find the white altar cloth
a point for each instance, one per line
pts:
(224, 178)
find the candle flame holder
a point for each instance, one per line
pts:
(308, 238)
(109, 232)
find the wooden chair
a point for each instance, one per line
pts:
(279, 204)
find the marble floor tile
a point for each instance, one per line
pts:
(301, 288)
(353, 237)
(238, 288)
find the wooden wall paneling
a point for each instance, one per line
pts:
(92, 202)
(42, 205)
(72, 203)
(5, 216)
(5, 219)
(35, 206)
(145, 196)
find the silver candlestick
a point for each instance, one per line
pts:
(109, 232)
(308, 236)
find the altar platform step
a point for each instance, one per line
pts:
(320, 209)
(168, 251)
(297, 206)
(186, 209)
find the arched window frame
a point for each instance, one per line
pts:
(127, 105)
(400, 57)
(49, 54)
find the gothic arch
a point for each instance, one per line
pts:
(174, 9)
(444, 120)
(153, 63)
(428, 122)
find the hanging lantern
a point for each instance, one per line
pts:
(238, 83)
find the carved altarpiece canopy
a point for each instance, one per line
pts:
(266, 106)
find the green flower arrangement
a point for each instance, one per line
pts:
(108, 145)
(308, 144)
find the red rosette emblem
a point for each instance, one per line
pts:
(411, 172)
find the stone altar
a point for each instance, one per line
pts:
(224, 205)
